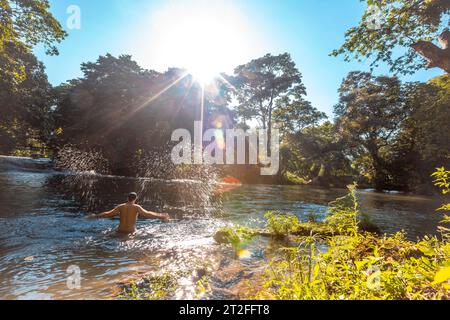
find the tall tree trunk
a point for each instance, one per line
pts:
(269, 131)
(378, 166)
(264, 122)
(436, 57)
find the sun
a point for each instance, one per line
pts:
(204, 37)
(204, 52)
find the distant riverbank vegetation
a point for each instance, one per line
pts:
(384, 134)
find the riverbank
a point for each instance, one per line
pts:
(337, 260)
(246, 175)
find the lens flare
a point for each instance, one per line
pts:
(244, 254)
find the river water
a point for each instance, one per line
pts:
(44, 232)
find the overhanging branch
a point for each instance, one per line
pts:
(436, 57)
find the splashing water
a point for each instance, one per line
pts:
(198, 181)
(88, 170)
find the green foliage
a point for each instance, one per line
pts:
(292, 178)
(281, 225)
(266, 85)
(422, 142)
(203, 286)
(344, 213)
(293, 113)
(237, 236)
(23, 25)
(406, 26)
(162, 286)
(442, 180)
(270, 90)
(386, 134)
(25, 108)
(155, 287)
(127, 110)
(361, 267)
(316, 150)
(368, 114)
(358, 266)
(25, 94)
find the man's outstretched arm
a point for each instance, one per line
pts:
(107, 214)
(152, 215)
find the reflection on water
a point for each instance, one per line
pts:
(43, 229)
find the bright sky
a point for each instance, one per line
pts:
(214, 36)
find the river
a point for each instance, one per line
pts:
(44, 230)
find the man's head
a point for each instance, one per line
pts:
(132, 197)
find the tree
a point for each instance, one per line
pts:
(318, 153)
(25, 94)
(126, 112)
(414, 24)
(423, 142)
(262, 83)
(370, 112)
(24, 24)
(25, 107)
(293, 113)
(98, 111)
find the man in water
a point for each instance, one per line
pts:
(129, 213)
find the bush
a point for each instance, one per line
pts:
(281, 225)
(442, 180)
(236, 236)
(358, 266)
(292, 178)
(345, 217)
(152, 287)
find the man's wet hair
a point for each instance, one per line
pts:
(132, 196)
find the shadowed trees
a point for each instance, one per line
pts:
(423, 142)
(293, 113)
(419, 142)
(25, 107)
(369, 113)
(270, 92)
(318, 154)
(125, 111)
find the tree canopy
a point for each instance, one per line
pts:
(126, 111)
(385, 133)
(406, 34)
(369, 113)
(25, 94)
(262, 83)
(23, 25)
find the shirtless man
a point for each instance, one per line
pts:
(129, 213)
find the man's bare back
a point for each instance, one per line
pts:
(129, 213)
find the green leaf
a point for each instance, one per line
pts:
(442, 275)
